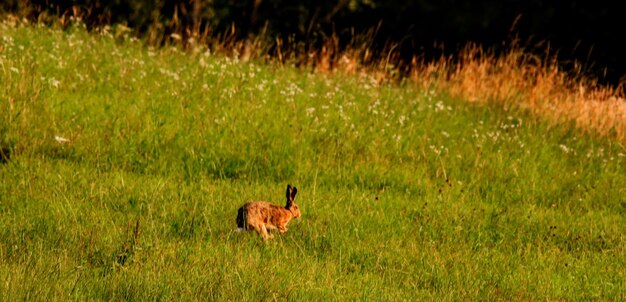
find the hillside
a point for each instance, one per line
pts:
(126, 164)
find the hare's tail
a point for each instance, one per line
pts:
(241, 218)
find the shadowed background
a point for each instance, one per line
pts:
(583, 34)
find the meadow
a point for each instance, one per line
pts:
(125, 165)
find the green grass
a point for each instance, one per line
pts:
(405, 193)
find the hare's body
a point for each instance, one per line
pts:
(256, 215)
(263, 216)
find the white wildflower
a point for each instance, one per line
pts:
(176, 37)
(439, 106)
(310, 111)
(54, 82)
(401, 120)
(61, 140)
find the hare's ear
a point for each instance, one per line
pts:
(294, 191)
(289, 199)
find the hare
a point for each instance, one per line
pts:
(262, 216)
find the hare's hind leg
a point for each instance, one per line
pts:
(262, 230)
(266, 234)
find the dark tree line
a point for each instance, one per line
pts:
(590, 32)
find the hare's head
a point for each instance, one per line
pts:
(291, 205)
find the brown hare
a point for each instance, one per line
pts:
(263, 216)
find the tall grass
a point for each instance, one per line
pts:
(516, 78)
(128, 163)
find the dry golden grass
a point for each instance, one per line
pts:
(539, 85)
(514, 79)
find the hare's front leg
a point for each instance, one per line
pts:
(282, 229)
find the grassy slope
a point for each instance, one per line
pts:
(405, 193)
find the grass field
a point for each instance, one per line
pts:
(127, 165)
